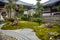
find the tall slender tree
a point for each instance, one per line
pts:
(10, 6)
(29, 15)
(39, 8)
(19, 11)
(38, 12)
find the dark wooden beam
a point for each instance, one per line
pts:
(51, 11)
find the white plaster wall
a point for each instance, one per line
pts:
(1, 18)
(46, 14)
(12, 14)
(25, 12)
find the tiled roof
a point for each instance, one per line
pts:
(19, 2)
(50, 2)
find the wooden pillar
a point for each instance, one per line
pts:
(51, 11)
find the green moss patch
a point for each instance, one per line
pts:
(42, 32)
(21, 24)
(45, 33)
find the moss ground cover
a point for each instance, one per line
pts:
(42, 32)
(1, 22)
(45, 33)
(21, 24)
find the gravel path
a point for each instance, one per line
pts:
(0, 26)
(21, 34)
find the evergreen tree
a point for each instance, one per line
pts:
(19, 11)
(38, 12)
(39, 8)
(10, 6)
(58, 8)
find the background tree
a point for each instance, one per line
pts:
(29, 15)
(10, 6)
(39, 8)
(58, 8)
(38, 12)
(19, 11)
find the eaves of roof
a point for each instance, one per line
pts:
(50, 3)
(19, 2)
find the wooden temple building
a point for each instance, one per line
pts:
(51, 13)
(51, 7)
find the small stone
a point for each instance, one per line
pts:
(15, 22)
(48, 25)
(57, 37)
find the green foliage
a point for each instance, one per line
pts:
(24, 17)
(35, 15)
(21, 24)
(39, 9)
(38, 20)
(58, 8)
(29, 15)
(10, 19)
(42, 32)
(10, 6)
(58, 20)
(1, 22)
(56, 26)
(20, 11)
(45, 33)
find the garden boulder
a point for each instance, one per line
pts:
(48, 25)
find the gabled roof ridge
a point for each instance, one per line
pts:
(25, 2)
(19, 2)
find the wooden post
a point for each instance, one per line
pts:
(51, 11)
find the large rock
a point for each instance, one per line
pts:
(57, 37)
(48, 25)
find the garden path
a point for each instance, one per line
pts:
(21, 34)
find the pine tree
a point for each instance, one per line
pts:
(39, 8)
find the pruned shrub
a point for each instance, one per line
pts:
(1, 21)
(24, 17)
(11, 19)
(38, 20)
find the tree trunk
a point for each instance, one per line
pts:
(0, 16)
(9, 14)
(51, 11)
